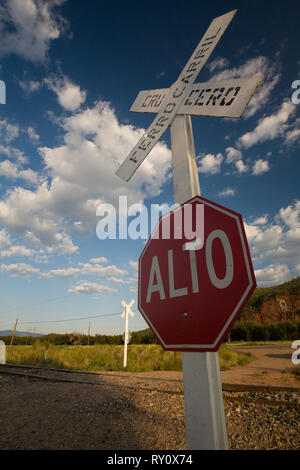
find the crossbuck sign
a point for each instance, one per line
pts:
(223, 99)
(203, 399)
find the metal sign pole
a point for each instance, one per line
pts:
(203, 398)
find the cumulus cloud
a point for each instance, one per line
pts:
(241, 166)
(275, 245)
(86, 287)
(257, 66)
(269, 127)
(100, 260)
(80, 176)
(228, 192)
(272, 275)
(260, 167)
(218, 64)
(28, 26)
(65, 273)
(8, 131)
(261, 220)
(69, 95)
(210, 163)
(20, 269)
(17, 250)
(109, 272)
(233, 154)
(11, 170)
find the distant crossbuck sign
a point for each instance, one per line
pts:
(223, 99)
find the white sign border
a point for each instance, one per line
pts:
(249, 272)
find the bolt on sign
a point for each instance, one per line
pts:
(190, 294)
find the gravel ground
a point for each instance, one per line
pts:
(44, 415)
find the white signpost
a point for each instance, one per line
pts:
(2, 353)
(204, 407)
(126, 333)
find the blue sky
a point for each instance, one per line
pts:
(72, 69)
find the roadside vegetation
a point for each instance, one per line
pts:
(141, 358)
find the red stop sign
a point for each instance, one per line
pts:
(195, 276)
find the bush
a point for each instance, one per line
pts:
(251, 331)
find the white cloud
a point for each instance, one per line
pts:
(63, 244)
(134, 264)
(292, 135)
(103, 271)
(227, 192)
(19, 269)
(81, 175)
(100, 260)
(241, 166)
(291, 215)
(28, 26)
(11, 170)
(272, 275)
(269, 127)
(66, 273)
(69, 95)
(17, 250)
(5, 239)
(85, 287)
(33, 136)
(261, 220)
(276, 244)
(210, 163)
(233, 155)
(260, 167)
(257, 66)
(218, 63)
(8, 132)
(30, 86)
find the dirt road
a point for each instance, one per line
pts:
(43, 415)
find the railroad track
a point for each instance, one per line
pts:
(263, 395)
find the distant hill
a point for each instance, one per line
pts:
(274, 304)
(20, 333)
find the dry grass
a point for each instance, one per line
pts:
(140, 358)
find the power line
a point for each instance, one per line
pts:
(71, 319)
(36, 303)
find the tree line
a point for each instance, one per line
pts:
(241, 331)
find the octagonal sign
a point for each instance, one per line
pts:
(195, 276)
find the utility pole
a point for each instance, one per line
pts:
(14, 332)
(89, 334)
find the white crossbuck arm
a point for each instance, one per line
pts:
(226, 98)
(176, 96)
(128, 307)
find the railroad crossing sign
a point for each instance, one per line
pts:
(228, 98)
(126, 333)
(204, 407)
(190, 297)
